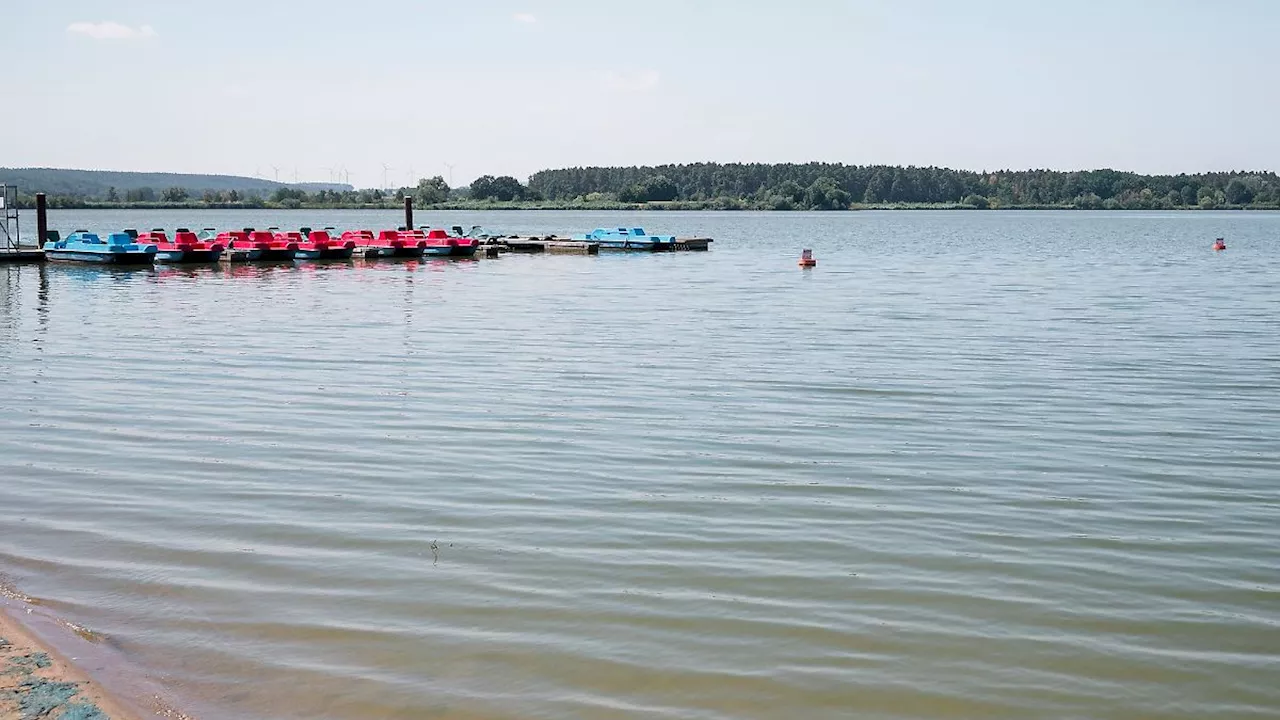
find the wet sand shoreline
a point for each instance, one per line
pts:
(39, 680)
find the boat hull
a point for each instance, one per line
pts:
(464, 251)
(277, 255)
(336, 254)
(437, 251)
(188, 256)
(103, 258)
(630, 246)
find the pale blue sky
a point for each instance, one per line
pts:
(514, 86)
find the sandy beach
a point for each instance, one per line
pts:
(36, 682)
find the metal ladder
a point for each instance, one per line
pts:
(10, 232)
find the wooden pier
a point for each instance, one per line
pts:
(549, 245)
(12, 249)
(490, 247)
(234, 256)
(692, 244)
(16, 257)
(555, 244)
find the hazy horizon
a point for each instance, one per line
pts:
(509, 88)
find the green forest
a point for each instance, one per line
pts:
(789, 186)
(825, 186)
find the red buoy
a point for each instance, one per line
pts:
(806, 259)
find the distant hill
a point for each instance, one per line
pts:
(97, 183)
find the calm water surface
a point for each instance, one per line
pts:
(975, 465)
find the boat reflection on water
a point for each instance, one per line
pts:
(172, 272)
(92, 274)
(258, 269)
(319, 266)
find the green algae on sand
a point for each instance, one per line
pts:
(34, 697)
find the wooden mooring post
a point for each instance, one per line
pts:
(42, 219)
(408, 212)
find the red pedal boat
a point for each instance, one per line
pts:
(388, 243)
(269, 246)
(441, 244)
(325, 246)
(185, 247)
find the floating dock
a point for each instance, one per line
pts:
(12, 250)
(489, 246)
(692, 244)
(556, 244)
(14, 257)
(546, 245)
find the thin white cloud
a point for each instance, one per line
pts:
(526, 18)
(108, 30)
(632, 80)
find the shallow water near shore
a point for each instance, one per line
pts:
(998, 465)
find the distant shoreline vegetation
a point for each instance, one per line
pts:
(703, 186)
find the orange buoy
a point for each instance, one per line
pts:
(806, 259)
(1219, 244)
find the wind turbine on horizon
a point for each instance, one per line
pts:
(385, 182)
(273, 167)
(449, 168)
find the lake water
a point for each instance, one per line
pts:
(974, 465)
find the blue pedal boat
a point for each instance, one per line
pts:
(86, 247)
(628, 239)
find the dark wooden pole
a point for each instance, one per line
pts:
(408, 212)
(42, 219)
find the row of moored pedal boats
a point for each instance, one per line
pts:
(130, 247)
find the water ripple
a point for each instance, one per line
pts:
(932, 478)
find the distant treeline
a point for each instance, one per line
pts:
(812, 186)
(825, 186)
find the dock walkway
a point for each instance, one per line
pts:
(25, 255)
(567, 246)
